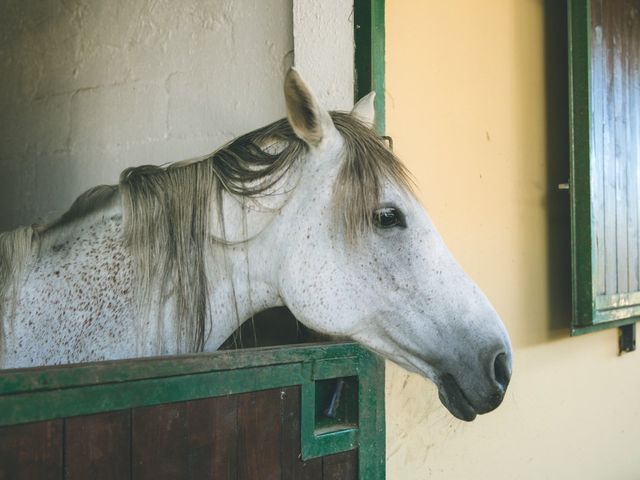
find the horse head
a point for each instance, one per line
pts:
(364, 261)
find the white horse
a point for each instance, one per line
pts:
(312, 212)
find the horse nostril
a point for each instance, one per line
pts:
(501, 371)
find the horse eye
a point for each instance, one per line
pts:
(388, 217)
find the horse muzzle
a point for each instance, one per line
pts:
(458, 403)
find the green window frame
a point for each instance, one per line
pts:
(604, 182)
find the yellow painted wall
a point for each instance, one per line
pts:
(476, 103)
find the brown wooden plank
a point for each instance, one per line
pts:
(341, 466)
(195, 439)
(98, 446)
(159, 442)
(31, 451)
(293, 467)
(212, 438)
(259, 433)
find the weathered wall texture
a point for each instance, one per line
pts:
(89, 87)
(323, 46)
(476, 98)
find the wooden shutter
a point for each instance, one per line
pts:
(604, 56)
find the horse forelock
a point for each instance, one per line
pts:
(367, 164)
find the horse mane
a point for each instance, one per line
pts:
(167, 211)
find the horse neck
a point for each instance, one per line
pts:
(244, 264)
(259, 233)
(247, 286)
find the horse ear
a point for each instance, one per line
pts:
(364, 110)
(310, 122)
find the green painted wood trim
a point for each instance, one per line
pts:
(48, 378)
(378, 62)
(369, 36)
(579, 28)
(316, 443)
(622, 313)
(623, 307)
(591, 312)
(323, 369)
(370, 436)
(618, 300)
(598, 327)
(372, 450)
(30, 395)
(66, 402)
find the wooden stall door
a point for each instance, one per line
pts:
(249, 436)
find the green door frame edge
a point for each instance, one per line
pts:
(369, 37)
(370, 41)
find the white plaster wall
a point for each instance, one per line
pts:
(323, 46)
(90, 87)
